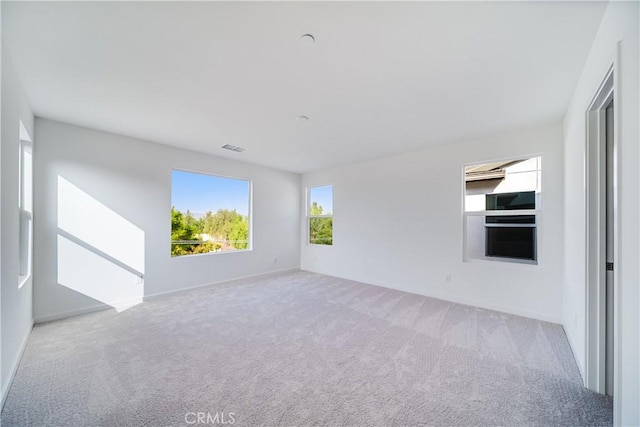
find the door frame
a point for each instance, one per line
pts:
(595, 177)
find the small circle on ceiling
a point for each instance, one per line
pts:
(307, 40)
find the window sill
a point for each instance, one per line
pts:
(211, 253)
(511, 261)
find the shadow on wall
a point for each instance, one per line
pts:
(100, 254)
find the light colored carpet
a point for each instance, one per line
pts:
(296, 349)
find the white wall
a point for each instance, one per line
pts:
(16, 312)
(127, 184)
(398, 223)
(619, 25)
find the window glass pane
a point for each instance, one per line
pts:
(321, 227)
(321, 200)
(511, 201)
(501, 237)
(510, 184)
(511, 242)
(208, 213)
(27, 178)
(25, 245)
(321, 231)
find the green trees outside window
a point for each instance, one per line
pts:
(221, 230)
(321, 215)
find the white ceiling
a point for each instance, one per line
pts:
(382, 78)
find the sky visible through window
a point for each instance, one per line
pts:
(324, 197)
(200, 193)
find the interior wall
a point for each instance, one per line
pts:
(127, 183)
(16, 310)
(618, 31)
(398, 223)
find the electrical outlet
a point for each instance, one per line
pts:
(447, 278)
(275, 259)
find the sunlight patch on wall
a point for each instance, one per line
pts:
(100, 253)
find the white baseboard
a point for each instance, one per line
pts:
(71, 313)
(495, 307)
(14, 366)
(460, 300)
(251, 276)
(101, 307)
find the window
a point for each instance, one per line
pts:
(209, 214)
(502, 210)
(320, 215)
(25, 205)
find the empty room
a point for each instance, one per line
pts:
(320, 213)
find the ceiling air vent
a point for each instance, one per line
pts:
(232, 148)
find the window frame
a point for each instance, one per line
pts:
(537, 213)
(25, 221)
(249, 212)
(310, 217)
